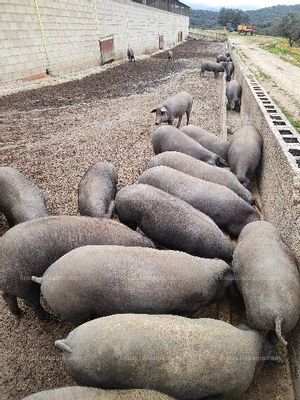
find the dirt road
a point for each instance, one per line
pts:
(280, 78)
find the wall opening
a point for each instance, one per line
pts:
(290, 140)
(285, 132)
(107, 49)
(295, 152)
(161, 42)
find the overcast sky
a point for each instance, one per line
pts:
(246, 4)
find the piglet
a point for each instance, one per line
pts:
(130, 54)
(174, 107)
(97, 189)
(211, 67)
(20, 199)
(234, 95)
(245, 153)
(169, 138)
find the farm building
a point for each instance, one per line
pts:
(57, 36)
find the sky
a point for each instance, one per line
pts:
(245, 5)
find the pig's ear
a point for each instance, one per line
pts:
(163, 109)
(154, 110)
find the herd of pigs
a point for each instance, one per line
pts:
(131, 294)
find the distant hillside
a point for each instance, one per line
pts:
(204, 19)
(262, 18)
(265, 17)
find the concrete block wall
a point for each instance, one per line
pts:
(21, 49)
(71, 34)
(279, 176)
(70, 31)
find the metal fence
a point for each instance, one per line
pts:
(168, 5)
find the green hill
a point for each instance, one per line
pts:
(262, 18)
(204, 19)
(267, 16)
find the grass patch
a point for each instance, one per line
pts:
(243, 55)
(281, 48)
(294, 121)
(262, 75)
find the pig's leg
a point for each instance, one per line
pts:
(110, 210)
(33, 301)
(179, 121)
(246, 182)
(188, 113)
(12, 303)
(131, 224)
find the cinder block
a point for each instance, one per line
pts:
(71, 33)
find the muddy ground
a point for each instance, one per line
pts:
(53, 134)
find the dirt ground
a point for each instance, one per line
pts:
(280, 78)
(53, 134)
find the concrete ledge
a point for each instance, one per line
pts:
(278, 177)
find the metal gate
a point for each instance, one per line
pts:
(161, 42)
(107, 49)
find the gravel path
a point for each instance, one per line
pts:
(283, 78)
(53, 134)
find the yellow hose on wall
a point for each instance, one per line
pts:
(37, 10)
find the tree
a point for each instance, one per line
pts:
(232, 16)
(289, 27)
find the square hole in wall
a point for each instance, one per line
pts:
(295, 152)
(271, 111)
(275, 117)
(278, 122)
(298, 163)
(285, 132)
(290, 140)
